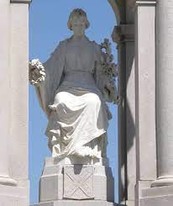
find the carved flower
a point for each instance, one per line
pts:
(36, 72)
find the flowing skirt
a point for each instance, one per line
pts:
(77, 118)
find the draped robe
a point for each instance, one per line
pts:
(72, 97)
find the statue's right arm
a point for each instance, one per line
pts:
(53, 69)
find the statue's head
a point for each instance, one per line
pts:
(78, 17)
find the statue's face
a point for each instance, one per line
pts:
(78, 25)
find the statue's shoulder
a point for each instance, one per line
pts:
(60, 47)
(63, 43)
(92, 42)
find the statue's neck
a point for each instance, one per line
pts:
(78, 37)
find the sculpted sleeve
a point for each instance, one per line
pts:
(54, 71)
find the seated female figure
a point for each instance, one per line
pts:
(72, 94)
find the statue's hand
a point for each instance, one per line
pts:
(36, 72)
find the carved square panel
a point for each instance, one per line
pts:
(78, 182)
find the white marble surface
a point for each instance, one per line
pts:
(164, 58)
(78, 81)
(13, 108)
(5, 88)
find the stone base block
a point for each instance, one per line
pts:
(130, 203)
(76, 203)
(160, 196)
(62, 182)
(13, 196)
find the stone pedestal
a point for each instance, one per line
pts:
(76, 203)
(14, 196)
(162, 196)
(63, 183)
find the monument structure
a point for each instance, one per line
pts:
(145, 47)
(72, 87)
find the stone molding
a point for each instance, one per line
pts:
(145, 2)
(20, 1)
(123, 33)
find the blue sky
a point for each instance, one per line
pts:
(48, 26)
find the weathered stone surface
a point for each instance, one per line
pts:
(76, 203)
(159, 201)
(145, 96)
(160, 196)
(4, 90)
(78, 182)
(63, 181)
(51, 187)
(13, 196)
(164, 60)
(13, 108)
(154, 192)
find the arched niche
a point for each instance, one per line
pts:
(38, 141)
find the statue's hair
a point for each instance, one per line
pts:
(77, 12)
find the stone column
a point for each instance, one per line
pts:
(5, 94)
(19, 55)
(13, 105)
(123, 35)
(164, 48)
(116, 37)
(145, 96)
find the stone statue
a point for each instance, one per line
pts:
(73, 86)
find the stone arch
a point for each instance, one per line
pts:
(116, 9)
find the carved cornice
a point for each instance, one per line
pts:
(123, 33)
(21, 1)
